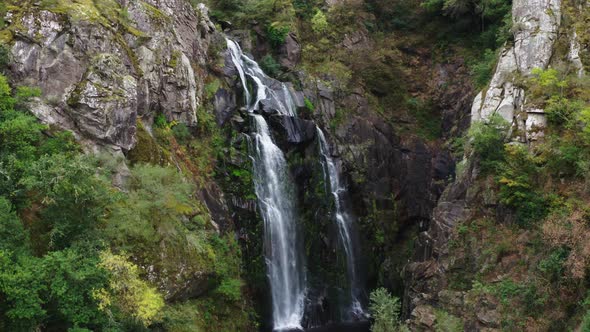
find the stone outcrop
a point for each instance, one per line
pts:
(99, 69)
(536, 24)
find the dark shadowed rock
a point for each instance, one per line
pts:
(290, 52)
(225, 105)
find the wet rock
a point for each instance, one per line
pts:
(290, 130)
(290, 52)
(225, 105)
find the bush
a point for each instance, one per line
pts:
(230, 289)
(562, 111)
(277, 33)
(270, 66)
(132, 295)
(385, 309)
(516, 178)
(586, 323)
(4, 57)
(160, 121)
(446, 322)
(553, 266)
(483, 70)
(181, 133)
(319, 23)
(486, 139)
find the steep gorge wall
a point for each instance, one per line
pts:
(100, 67)
(443, 256)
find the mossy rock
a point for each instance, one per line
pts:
(147, 149)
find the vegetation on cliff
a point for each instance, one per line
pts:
(79, 254)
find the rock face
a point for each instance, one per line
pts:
(290, 52)
(99, 69)
(103, 105)
(536, 24)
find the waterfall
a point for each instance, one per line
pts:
(344, 224)
(273, 187)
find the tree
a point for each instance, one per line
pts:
(127, 291)
(72, 199)
(486, 140)
(13, 236)
(385, 310)
(319, 23)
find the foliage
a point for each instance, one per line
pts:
(309, 105)
(553, 266)
(4, 55)
(72, 198)
(277, 33)
(546, 83)
(516, 179)
(483, 70)
(230, 289)
(181, 133)
(585, 327)
(160, 121)
(58, 285)
(158, 199)
(429, 122)
(126, 290)
(485, 140)
(63, 228)
(270, 66)
(319, 22)
(385, 310)
(446, 322)
(13, 236)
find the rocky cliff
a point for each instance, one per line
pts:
(458, 264)
(101, 66)
(152, 81)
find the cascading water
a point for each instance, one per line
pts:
(285, 267)
(344, 224)
(274, 189)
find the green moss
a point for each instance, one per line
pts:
(212, 87)
(147, 149)
(174, 58)
(155, 14)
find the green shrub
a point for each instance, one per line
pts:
(4, 57)
(446, 322)
(230, 289)
(309, 106)
(385, 310)
(181, 133)
(277, 33)
(160, 121)
(13, 236)
(319, 23)
(516, 178)
(270, 66)
(486, 140)
(552, 266)
(562, 112)
(483, 69)
(428, 120)
(585, 327)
